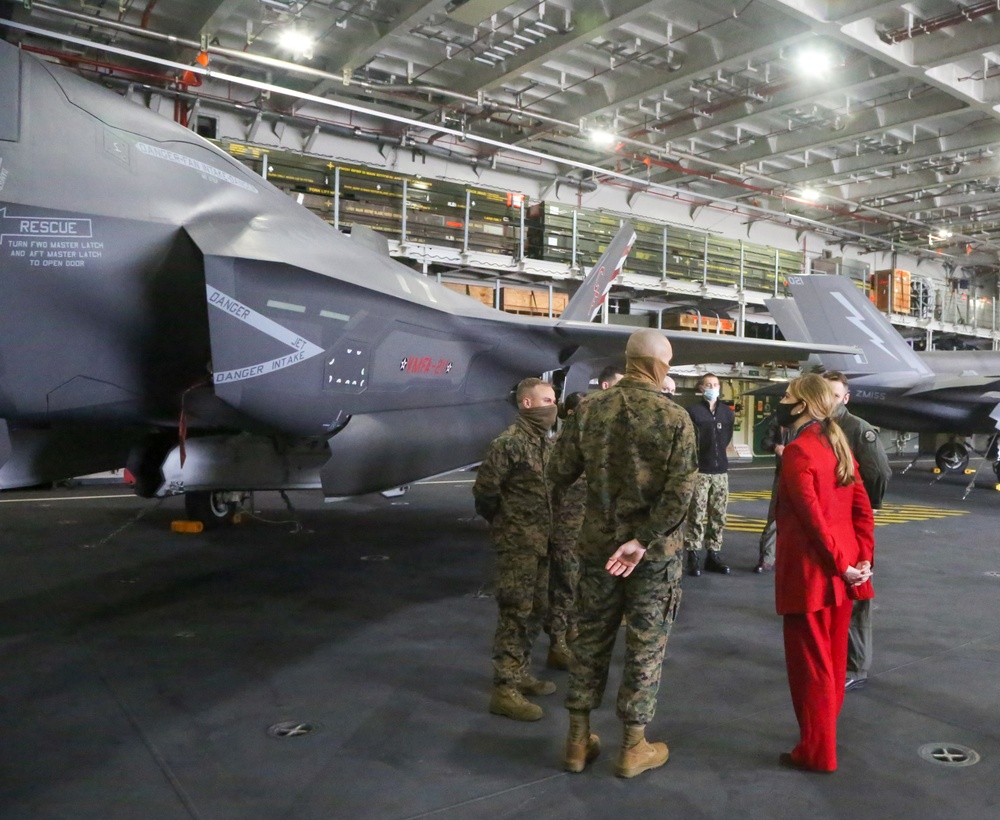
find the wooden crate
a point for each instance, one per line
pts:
(528, 302)
(481, 293)
(891, 284)
(690, 321)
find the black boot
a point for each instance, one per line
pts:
(693, 564)
(713, 563)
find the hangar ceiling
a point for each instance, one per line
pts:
(874, 122)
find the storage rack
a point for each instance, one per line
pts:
(502, 232)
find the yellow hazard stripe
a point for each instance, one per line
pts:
(889, 514)
(752, 495)
(742, 523)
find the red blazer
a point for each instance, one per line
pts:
(822, 528)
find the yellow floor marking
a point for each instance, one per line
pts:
(751, 495)
(889, 514)
(742, 523)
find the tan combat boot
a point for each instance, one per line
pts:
(638, 756)
(581, 746)
(560, 655)
(528, 684)
(508, 702)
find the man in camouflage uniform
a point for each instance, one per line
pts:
(512, 494)
(609, 376)
(713, 422)
(564, 566)
(636, 449)
(873, 465)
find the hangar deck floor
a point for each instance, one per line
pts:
(142, 669)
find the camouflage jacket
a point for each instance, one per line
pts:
(567, 512)
(512, 492)
(638, 452)
(873, 463)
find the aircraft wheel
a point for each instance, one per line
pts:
(952, 457)
(212, 508)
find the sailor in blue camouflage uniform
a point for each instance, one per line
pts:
(512, 493)
(873, 466)
(636, 449)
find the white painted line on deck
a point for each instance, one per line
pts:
(65, 498)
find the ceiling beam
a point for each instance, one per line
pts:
(969, 40)
(368, 44)
(751, 114)
(980, 135)
(589, 23)
(866, 122)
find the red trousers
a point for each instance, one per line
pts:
(816, 659)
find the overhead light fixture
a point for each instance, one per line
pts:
(814, 62)
(602, 138)
(942, 235)
(286, 6)
(297, 42)
(809, 195)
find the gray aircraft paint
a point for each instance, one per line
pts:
(153, 284)
(891, 384)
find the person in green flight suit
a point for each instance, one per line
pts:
(873, 465)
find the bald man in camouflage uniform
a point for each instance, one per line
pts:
(512, 493)
(873, 466)
(637, 450)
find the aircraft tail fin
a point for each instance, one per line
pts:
(594, 288)
(370, 238)
(832, 310)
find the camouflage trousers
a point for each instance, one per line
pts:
(707, 515)
(564, 578)
(522, 592)
(649, 599)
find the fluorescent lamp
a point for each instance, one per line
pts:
(297, 42)
(814, 62)
(602, 138)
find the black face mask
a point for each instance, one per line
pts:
(786, 418)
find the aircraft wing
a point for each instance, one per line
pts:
(970, 384)
(586, 342)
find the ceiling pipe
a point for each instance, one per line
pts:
(844, 233)
(965, 14)
(353, 133)
(236, 55)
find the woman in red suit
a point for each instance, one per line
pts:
(824, 554)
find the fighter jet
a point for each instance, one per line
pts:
(955, 392)
(165, 309)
